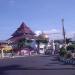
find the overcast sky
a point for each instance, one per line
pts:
(44, 15)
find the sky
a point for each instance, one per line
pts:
(39, 15)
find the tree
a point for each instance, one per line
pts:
(21, 43)
(67, 40)
(70, 48)
(24, 42)
(63, 51)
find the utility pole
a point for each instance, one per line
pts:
(63, 32)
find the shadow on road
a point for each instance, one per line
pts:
(17, 67)
(3, 69)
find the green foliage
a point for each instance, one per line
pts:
(71, 48)
(63, 51)
(67, 40)
(67, 52)
(68, 55)
(21, 43)
(41, 41)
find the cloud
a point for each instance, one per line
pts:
(38, 32)
(71, 35)
(53, 33)
(57, 34)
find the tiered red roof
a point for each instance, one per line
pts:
(22, 32)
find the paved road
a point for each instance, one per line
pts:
(35, 65)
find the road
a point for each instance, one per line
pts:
(35, 65)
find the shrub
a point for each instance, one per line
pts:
(62, 51)
(68, 55)
(70, 48)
